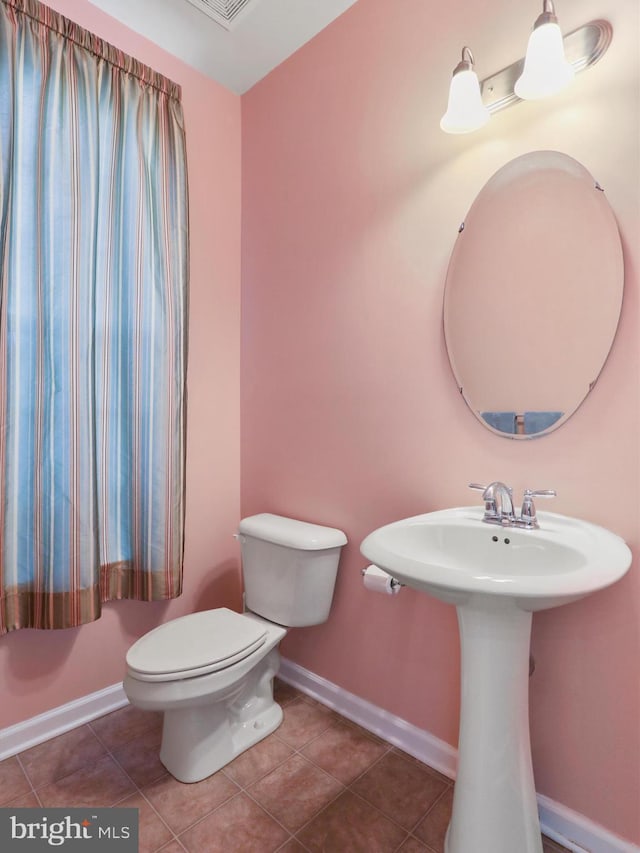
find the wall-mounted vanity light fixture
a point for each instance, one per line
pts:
(549, 66)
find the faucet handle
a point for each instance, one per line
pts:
(528, 512)
(490, 505)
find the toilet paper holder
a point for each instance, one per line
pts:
(395, 584)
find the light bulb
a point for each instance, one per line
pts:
(546, 71)
(465, 110)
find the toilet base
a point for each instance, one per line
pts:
(199, 740)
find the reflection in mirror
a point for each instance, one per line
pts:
(533, 294)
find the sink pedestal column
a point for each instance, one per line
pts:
(494, 803)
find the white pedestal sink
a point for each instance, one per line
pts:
(496, 577)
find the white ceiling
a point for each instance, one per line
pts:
(265, 33)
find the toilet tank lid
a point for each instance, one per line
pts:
(291, 533)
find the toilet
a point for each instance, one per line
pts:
(211, 673)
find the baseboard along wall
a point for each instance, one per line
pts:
(569, 828)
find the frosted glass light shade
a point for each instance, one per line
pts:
(465, 110)
(546, 71)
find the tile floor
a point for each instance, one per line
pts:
(319, 783)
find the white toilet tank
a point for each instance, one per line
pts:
(289, 568)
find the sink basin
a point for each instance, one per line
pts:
(455, 556)
(496, 577)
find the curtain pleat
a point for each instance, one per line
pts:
(93, 289)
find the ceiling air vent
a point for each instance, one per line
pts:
(223, 12)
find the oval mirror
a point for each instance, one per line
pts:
(533, 294)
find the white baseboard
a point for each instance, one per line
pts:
(578, 832)
(417, 742)
(31, 732)
(567, 827)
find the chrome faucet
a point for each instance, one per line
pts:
(498, 502)
(498, 505)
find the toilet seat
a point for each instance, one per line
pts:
(193, 645)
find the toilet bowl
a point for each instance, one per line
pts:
(211, 673)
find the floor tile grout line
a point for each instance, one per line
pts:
(28, 778)
(109, 751)
(106, 746)
(352, 781)
(348, 786)
(379, 810)
(97, 736)
(429, 769)
(291, 832)
(138, 790)
(110, 754)
(37, 788)
(320, 769)
(165, 772)
(301, 843)
(174, 840)
(246, 788)
(402, 843)
(333, 718)
(390, 748)
(425, 814)
(202, 817)
(407, 833)
(262, 775)
(137, 787)
(317, 815)
(175, 837)
(342, 721)
(356, 778)
(299, 751)
(59, 779)
(429, 848)
(345, 786)
(288, 841)
(339, 719)
(238, 793)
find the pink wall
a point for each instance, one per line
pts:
(37, 671)
(351, 202)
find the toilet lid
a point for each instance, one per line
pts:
(195, 645)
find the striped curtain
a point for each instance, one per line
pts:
(93, 281)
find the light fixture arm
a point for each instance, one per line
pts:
(548, 15)
(466, 63)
